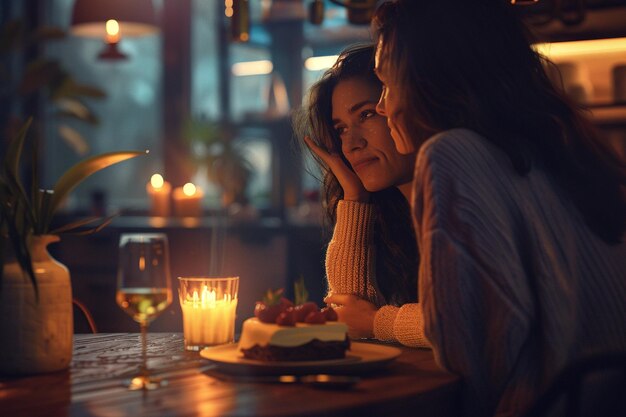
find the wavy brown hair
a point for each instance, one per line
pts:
(470, 64)
(396, 250)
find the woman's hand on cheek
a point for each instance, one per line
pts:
(352, 186)
(357, 313)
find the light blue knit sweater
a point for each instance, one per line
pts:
(513, 285)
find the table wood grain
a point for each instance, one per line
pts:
(93, 386)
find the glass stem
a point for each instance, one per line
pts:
(144, 360)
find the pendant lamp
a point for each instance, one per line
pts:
(135, 17)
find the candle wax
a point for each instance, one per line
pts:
(187, 205)
(208, 324)
(159, 199)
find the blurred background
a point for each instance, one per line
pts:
(209, 88)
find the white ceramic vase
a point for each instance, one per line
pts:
(36, 335)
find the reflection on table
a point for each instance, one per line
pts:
(93, 386)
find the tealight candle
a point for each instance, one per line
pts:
(159, 191)
(187, 200)
(209, 306)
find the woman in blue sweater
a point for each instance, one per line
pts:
(519, 208)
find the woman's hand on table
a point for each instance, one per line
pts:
(356, 312)
(352, 186)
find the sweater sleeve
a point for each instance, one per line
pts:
(472, 285)
(402, 324)
(350, 268)
(350, 259)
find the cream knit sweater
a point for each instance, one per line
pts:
(350, 269)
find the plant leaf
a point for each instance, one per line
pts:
(80, 223)
(70, 88)
(19, 198)
(14, 151)
(71, 105)
(96, 229)
(37, 203)
(301, 295)
(45, 215)
(34, 183)
(74, 139)
(38, 74)
(84, 169)
(87, 91)
(19, 242)
(272, 298)
(75, 109)
(201, 130)
(90, 117)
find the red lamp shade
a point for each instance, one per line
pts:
(136, 17)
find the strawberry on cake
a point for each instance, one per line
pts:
(282, 331)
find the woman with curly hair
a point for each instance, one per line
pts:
(372, 255)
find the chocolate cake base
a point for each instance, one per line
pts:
(315, 350)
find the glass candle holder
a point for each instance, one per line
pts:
(209, 307)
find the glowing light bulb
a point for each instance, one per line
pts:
(113, 31)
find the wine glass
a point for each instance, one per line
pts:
(143, 289)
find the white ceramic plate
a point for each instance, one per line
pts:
(361, 357)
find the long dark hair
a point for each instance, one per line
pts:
(469, 64)
(396, 249)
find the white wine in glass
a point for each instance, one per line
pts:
(143, 304)
(144, 289)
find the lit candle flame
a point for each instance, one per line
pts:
(208, 297)
(205, 291)
(142, 263)
(189, 189)
(212, 298)
(113, 31)
(157, 181)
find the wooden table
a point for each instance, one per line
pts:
(411, 385)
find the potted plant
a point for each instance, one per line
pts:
(35, 290)
(43, 77)
(228, 166)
